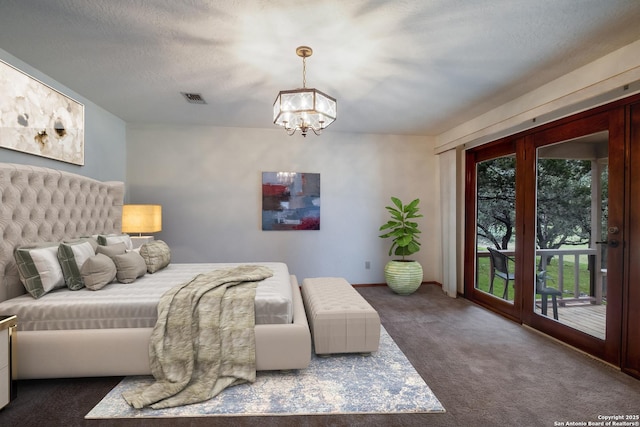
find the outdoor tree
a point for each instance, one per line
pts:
(563, 202)
(496, 201)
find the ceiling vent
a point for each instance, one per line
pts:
(193, 98)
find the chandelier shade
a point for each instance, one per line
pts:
(304, 109)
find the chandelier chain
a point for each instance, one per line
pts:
(304, 72)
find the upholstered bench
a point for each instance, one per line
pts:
(341, 320)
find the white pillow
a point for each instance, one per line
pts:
(112, 239)
(39, 269)
(71, 257)
(82, 252)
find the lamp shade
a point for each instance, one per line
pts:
(141, 218)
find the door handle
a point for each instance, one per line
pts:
(611, 243)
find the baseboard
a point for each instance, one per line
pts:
(371, 285)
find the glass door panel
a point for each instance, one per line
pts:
(495, 227)
(571, 226)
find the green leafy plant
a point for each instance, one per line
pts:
(400, 227)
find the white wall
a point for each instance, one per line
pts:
(105, 136)
(208, 180)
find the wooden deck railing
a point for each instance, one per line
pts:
(571, 291)
(595, 274)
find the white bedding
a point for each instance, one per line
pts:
(134, 305)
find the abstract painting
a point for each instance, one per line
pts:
(290, 201)
(37, 119)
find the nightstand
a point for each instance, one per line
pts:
(8, 360)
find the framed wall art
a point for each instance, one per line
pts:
(290, 201)
(37, 119)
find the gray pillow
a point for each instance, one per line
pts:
(98, 271)
(72, 256)
(129, 266)
(112, 250)
(156, 254)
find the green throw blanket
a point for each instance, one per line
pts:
(204, 338)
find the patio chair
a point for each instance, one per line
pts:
(500, 268)
(544, 292)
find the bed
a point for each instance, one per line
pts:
(45, 205)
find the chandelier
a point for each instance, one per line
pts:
(304, 109)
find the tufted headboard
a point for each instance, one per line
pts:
(46, 205)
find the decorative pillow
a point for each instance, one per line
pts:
(98, 271)
(72, 256)
(112, 250)
(156, 254)
(91, 240)
(111, 239)
(39, 269)
(129, 267)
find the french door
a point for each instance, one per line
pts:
(574, 222)
(491, 197)
(546, 229)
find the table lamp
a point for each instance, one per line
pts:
(141, 219)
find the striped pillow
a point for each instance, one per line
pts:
(112, 239)
(71, 257)
(39, 269)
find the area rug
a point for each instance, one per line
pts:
(384, 382)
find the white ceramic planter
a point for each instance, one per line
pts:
(403, 277)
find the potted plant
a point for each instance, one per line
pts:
(403, 276)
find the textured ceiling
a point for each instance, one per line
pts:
(399, 67)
